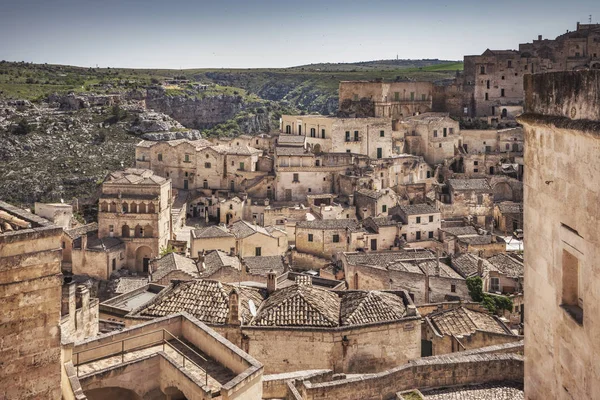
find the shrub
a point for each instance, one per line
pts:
(22, 128)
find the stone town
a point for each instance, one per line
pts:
(376, 254)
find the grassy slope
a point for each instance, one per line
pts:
(34, 81)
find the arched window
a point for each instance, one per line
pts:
(151, 208)
(231, 206)
(125, 231)
(148, 231)
(133, 208)
(125, 207)
(288, 129)
(142, 208)
(205, 184)
(139, 231)
(113, 207)
(104, 206)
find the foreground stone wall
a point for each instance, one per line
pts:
(561, 207)
(30, 304)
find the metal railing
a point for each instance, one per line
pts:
(163, 340)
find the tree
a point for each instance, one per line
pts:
(475, 287)
(166, 250)
(493, 303)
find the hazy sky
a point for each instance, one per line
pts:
(269, 33)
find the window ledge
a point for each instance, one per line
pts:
(574, 312)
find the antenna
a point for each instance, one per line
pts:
(590, 19)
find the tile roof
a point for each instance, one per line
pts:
(126, 284)
(292, 151)
(462, 321)
(291, 139)
(207, 300)
(173, 262)
(405, 266)
(445, 270)
(381, 259)
(374, 194)
(507, 265)
(470, 184)
(460, 230)
(417, 209)
(263, 264)
(14, 219)
(299, 305)
(351, 224)
(135, 176)
(363, 307)
(215, 260)
(242, 229)
(198, 143)
(106, 244)
(213, 231)
(476, 239)
(242, 150)
(508, 207)
(76, 233)
(466, 264)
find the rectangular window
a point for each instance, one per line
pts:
(336, 238)
(379, 152)
(479, 198)
(412, 96)
(453, 288)
(487, 97)
(384, 208)
(418, 220)
(159, 157)
(431, 235)
(381, 133)
(445, 132)
(431, 218)
(509, 63)
(418, 235)
(186, 158)
(63, 245)
(207, 165)
(310, 237)
(494, 284)
(451, 131)
(347, 136)
(257, 251)
(435, 133)
(475, 162)
(356, 136)
(296, 178)
(572, 299)
(396, 96)
(423, 97)
(241, 166)
(476, 170)
(501, 92)
(482, 69)
(111, 228)
(323, 133)
(487, 85)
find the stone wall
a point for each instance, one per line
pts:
(30, 305)
(561, 208)
(424, 373)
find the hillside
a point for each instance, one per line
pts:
(62, 128)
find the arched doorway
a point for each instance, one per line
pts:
(504, 113)
(174, 394)
(112, 393)
(503, 192)
(228, 218)
(317, 149)
(143, 255)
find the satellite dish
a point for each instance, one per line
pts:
(252, 308)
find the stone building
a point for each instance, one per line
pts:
(172, 267)
(508, 216)
(435, 136)
(461, 329)
(213, 237)
(345, 331)
(135, 207)
(30, 305)
(368, 136)
(325, 238)
(79, 314)
(394, 100)
(562, 178)
(59, 214)
(419, 221)
(374, 203)
(467, 198)
(419, 272)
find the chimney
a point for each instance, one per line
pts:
(83, 297)
(68, 297)
(442, 236)
(539, 37)
(437, 262)
(271, 282)
(426, 285)
(84, 240)
(411, 310)
(480, 266)
(233, 317)
(201, 257)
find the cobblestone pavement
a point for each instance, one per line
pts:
(478, 392)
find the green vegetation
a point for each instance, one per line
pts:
(492, 302)
(22, 128)
(412, 396)
(166, 250)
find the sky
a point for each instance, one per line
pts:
(268, 33)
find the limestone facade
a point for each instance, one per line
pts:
(561, 210)
(435, 136)
(30, 305)
(135, 207)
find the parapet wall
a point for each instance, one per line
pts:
(571, 94)
(464, 369)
